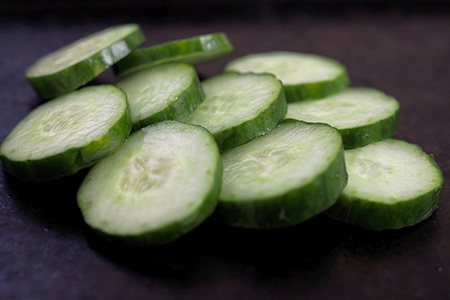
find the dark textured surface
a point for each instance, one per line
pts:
(46, 252)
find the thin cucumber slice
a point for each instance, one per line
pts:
(392, 184)
(76, 64)
(69, 133)
(160, 185)
(193, 50)
(169, 91)
(304, 76)
(362, 115)
(282, 178)
(240, 107)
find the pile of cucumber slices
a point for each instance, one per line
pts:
(275, 139)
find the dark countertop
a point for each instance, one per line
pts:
(46, 251)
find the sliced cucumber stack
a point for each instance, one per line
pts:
(362, 115)
(193, 50)
(392, 184)
(76, 64)
(282, 178)
(69, 133)
(161, 184)
(169, 91)
(240, 107)
(304, 76)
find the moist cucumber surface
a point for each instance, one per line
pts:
(304, 76)
(362, 115)
(192, 50)
(161, 184)
(71, 132)
(392, 184)
(169, 91)
(240, 107)
(74, 65)
(282, 178)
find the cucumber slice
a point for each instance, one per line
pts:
(282, 178)
(169, 91)
(304, 76)
(392, 184)
(161, 184)
(240, 107)
(76, 64)
(193, 50)
(67, 134)
(362, 115)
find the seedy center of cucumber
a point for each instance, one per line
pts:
(145, 173)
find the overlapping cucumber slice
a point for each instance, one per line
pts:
(304, 76)
(160, 185)
(192, 50)
(362, 115)
(392, 184)
(282, 178)
(240, 107)
(69, 133)
(74, 65)
(170, 91)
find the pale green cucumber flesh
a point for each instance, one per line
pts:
(160, 185)
(362, 115)
(169, 91)
(304, 76)
(71, 132)
(193, 50)
(392, 184)
(76, 64)
(282, 178)
(240, 107)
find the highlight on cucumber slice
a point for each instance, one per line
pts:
(160, 185)
(392, 184)
(76, 64)
(282, 178)
(169, 91)
(304, 76)
(192, 50)
(69, 133)
(362, 115)
(240, 107)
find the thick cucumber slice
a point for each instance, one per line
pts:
(68, 133)
(282, 178)
(169, 91)
(78, 63)
(392, 184)
(240, 107)
(362, 115)
(304, 76)
(193, 50)
(161, 184)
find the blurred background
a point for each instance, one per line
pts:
(207, 9)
